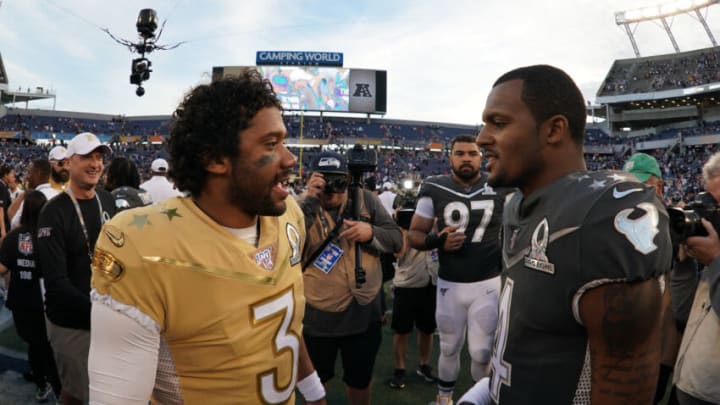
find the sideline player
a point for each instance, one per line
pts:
(200, 299)
(468, 214)
(582, 251)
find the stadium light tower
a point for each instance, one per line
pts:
(662, 12)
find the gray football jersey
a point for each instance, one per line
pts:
(476, 211)
(581, 231)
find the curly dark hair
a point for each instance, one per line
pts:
(208, 122)
(122, 172)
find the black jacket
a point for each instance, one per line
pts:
(64, 258)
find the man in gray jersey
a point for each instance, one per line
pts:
(468, 214)
(579, 318)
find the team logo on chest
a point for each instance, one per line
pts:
(263, 258)
(537, 258)
(294, 240)
(25, 245)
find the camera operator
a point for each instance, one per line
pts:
(414, 297)
(341, 315)
(696, 298)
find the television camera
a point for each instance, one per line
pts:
(140, 69)
(360, 161)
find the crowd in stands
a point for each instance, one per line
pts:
(658, 74)
(69, 125)
(682, 169)
(336, 130)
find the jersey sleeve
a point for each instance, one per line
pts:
(129, 377)
(121, 277)
(625, 236)
(425, 190)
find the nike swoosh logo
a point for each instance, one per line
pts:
(617, 194)
(118, 241)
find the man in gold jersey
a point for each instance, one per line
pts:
(200, 299)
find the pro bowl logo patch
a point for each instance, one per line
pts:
(25, 245)
(263, 258)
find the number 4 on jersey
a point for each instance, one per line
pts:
(501, 369)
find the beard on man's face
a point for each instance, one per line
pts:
(59, 176)
(465, 172)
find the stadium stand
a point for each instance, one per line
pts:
(664, 72)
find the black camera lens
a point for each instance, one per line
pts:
(335, 183)
(684, 224)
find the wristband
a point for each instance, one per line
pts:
(435, 241)
(311, 387)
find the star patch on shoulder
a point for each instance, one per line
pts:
(107, 265)
(597, 184)
(619, 177)
(140, 221)
(171, 213)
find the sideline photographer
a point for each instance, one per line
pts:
(343, 313)
(696, 297)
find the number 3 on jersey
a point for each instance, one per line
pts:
(457, 214)
(280, 306)
(501, 369)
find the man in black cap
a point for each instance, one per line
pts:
(342, 315)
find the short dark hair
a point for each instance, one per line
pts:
(33, 201)
(549, 91)
(464, 138)
(208, 122)
(5, 170)
(42, 168)
(122, 172)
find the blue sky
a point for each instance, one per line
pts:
(441, 56)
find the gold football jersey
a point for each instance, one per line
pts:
(230, 314)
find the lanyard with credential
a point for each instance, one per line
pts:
(82, 220)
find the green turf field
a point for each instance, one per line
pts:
(416, 392)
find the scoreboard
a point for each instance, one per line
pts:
(312, 81)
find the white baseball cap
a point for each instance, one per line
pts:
(84, 143)
(159, 165)
(57, 153)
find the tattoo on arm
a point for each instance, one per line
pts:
(623, 323)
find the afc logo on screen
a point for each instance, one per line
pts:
(362, 90)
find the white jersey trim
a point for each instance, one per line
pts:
(589, 286)
(131, 312)
(425, 208)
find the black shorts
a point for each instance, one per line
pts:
(414, 306)
(357, 352)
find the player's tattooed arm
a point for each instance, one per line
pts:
(623, 325)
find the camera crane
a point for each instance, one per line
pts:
(146, 27)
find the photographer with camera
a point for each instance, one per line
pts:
(696, 295)
(343, 311)
(414, 289)
(647, 170)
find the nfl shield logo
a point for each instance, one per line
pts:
(25, 245)
(263, 258)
